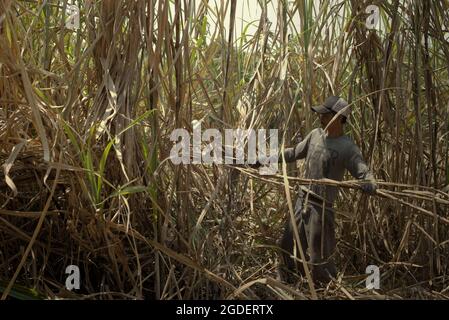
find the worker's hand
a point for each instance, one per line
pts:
(256, 165)
(369, 186)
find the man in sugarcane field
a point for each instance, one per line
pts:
(327, 152)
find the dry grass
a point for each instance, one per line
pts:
(85, 119)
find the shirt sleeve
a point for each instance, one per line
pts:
(356, 165)
(298, 152)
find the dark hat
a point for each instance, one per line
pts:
(335, 104)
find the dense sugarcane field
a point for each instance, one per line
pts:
(91, 91)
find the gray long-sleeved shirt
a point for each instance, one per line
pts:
(328, 158)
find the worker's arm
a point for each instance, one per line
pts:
(359, 170)
(298, 152)
(290, 154)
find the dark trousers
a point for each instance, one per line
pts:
(317, 233)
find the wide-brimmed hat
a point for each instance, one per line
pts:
(334, 104)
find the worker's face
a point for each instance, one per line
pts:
(325, 118)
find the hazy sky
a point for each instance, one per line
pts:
(248, 11)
